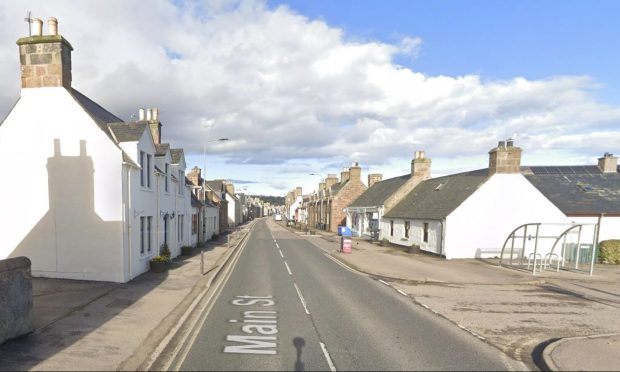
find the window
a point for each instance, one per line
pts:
(142, 242)
(148, 170)
(425, 232)
(180, 226)
(149, 224)
(406, 229)
(391, 227)
(167, 177)
(194, 224)
(142, 173)
(146, 244)
(181, 182)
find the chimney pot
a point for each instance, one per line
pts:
(37, 27)
(501, 144)
(52, 26)
(509, 143)
(149, 114)
(141, 114)
(155, 114)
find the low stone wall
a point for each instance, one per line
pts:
(15, 298)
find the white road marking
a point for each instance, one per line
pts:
(288, 268)
(402, 293)
(332, 367)
(386, 283)
(277, 246)
(301, 298)
(281, 255)
(343, 265)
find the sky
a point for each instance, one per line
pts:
(303, 87)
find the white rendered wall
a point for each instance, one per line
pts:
(142, 203)
(416, 233)
(89, 208)
(483, 221)
(212, 224)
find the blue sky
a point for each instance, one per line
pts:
(496, 39)
(311, 86)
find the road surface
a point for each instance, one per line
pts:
(287, 305)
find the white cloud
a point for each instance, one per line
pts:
(285, 88)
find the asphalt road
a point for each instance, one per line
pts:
(288, 306)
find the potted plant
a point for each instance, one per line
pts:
(187, 250)
(162, 261)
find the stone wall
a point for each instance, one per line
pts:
(349, 192)
(15, 298)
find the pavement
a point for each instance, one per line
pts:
(563, 320)
(89, 325)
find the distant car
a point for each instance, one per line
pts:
(278, 217)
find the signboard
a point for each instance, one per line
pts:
(346, 245)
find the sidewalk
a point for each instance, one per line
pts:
(86, 325)
(508, 308)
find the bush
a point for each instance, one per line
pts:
(384, 242)
(609, 251)
(164, 251)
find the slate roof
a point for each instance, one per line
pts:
(337, 187)
(161, 149)
(436, 198)
(377, 194)
(215, 185)
(195, 201)
(127, 132)
(176, 155)
(100, 115)
(577, 190)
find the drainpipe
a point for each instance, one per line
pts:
(129, 220)
(157, 214)
(443, 238)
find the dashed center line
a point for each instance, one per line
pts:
(332, 367)
(301, 298)
(384, 282)
(281, 255)
(402, 292)
(288, 268)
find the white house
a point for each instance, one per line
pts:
(467, 214)
(83, 200)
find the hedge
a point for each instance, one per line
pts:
(609, 252)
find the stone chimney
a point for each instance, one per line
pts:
(298, 191)
(194, 176)
(420, 167)
(321, 186)
(45, 59)
(331, 180)
(344, 175)
(505, 158)
(608, 163)
(355, 172)
(230, 188)
(152, 116)
(420, 171)
(374, 178)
